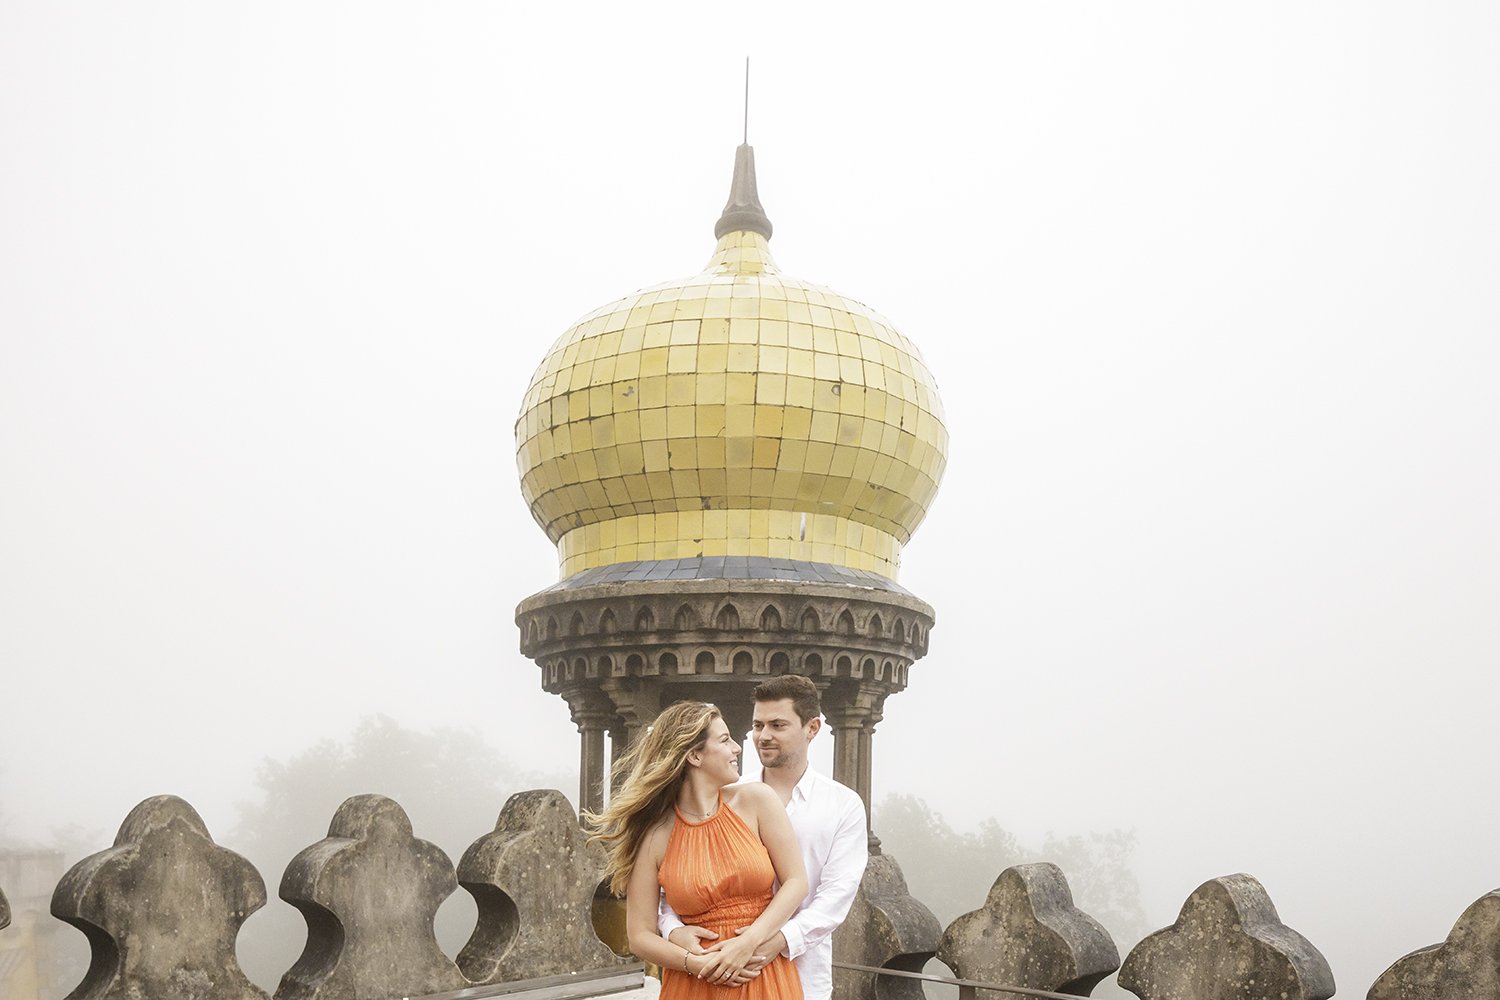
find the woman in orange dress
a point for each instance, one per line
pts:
(725, 855)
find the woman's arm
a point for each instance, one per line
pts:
(730, 956)
(642, 897)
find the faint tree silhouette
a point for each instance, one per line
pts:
(450, 782)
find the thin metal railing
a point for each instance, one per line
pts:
(968, 989)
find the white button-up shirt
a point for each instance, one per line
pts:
(829, 820)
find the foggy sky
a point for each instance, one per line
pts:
(1209, 290)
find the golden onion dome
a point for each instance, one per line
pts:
(738, 412)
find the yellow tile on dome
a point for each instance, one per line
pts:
(825, 426)
(796, 423)
(653, 455)
(711, 455)
(713, 358)
(739, 388)
(800, 391)
(743, 358)
(770, 389)
(682, 358)
(765, 452)
(739, 420)
(653, 361)
(708, 420)
(680, 423)
(657, 335)
(744, 331)
(682, 389)
(653, 424)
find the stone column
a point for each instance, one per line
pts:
(619, 742)
(853, 710)
(593, 715)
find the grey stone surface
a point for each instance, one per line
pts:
(162, 909)
(1029, 933)
(1228, 944)
(1466, 966)
(728, 568)
(369, 891)
(534, 880)
(887, 928)
(4, 911)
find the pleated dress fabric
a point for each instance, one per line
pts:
(717, 874)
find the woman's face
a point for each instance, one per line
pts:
(720, 755)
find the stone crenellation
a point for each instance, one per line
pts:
(163, 906)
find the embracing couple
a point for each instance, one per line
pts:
(734, 887)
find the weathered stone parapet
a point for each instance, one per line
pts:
(369, 892)
(162, 909)
(1466, 966)
(1228, 943)
(1029, 933)
(534, 879)
(886, 928)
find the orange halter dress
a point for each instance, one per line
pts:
(718, 875)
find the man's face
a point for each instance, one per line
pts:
(781, 739)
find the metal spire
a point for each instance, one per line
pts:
(743, 211)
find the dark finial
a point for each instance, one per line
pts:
(742, 213)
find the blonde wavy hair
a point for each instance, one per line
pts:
(648, 777)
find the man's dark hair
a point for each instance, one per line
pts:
(802, 692)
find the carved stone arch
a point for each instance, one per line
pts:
(845, 622)
(742, 662)
(530, 631)
(668, 662)
(899, 676)
(898, 630)
(728, 619)
(686, 619)
(887, 669)
(866, 667)
(812, 664)
(579, 667)
(635, 664)
(809, 621)
(605, 666)
(770, 619)
(705, 662)
(876, 628)
(551, 627)
(780, 662)
(843, 664)
(645, 621)
(575, 624)
(607, 624)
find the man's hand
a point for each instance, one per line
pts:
(691, 938)
(774, 946)
(728, 963)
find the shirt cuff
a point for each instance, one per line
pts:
(796, 942)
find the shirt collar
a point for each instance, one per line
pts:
(803, 787)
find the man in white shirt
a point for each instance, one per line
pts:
(829, 820)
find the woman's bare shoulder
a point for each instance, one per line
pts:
(654, 843)
(752, 796)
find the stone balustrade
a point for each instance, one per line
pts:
(163, 906)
